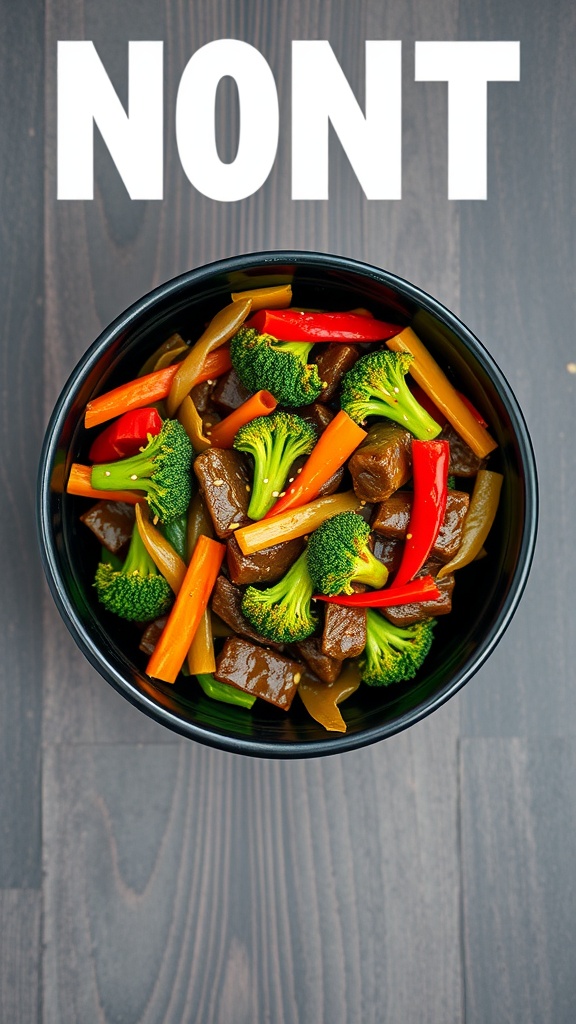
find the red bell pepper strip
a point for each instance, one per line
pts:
(422, 589)
(295, 325)
(430, 472)
(126, 436)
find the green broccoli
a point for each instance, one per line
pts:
(392, 654)
(283, 612)
(136, 591)
(263, 363)
(161, 470)
(338, 555)
(274, 441)
(376, 386)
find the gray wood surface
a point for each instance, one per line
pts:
(426, 879)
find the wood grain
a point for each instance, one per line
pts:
(20, 995)
(518, 272)
(518, 836)
(21, 324)
(211, 887)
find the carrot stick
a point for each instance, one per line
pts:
(296, 522)
(434, 382)
(151, 388)
(261, 404)
(192, 600)
(334, 446)
(79, 484)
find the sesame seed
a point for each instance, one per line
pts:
(218, 483)
(282, 493)
(324, 385)
(275, 494)
(300, 470)
(265, 480)
(208, 423)
(210, 382)
(291, 480)
(133, 477)
(234, 526)
(409, 536)
(297, 677)
(396, 391)
(248, 488)
(107, 472)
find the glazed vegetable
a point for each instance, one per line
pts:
(218, 332)
(259, 405)
(274, 442)
(376, 386)
(283, 612)
(201, 656)
(153, 387)
(422, 589)
(479, 520)
(191, 420)
(126, 436)
(335, 445)
(189, 606)
(165, 558)
(275, 296)
(321, 701)
(295, 325)
(224, 692)
(161, 470)
(280, 367)
(430, 475)
(295, 523)
(435, 383)
(137, 591)
(338, 556)
(79, 483)
(393, 655)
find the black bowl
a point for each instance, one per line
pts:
(487, 592)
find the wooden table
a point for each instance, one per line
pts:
(429, 878)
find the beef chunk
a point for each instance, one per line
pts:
(344, 633)
(463, 461)
(224, 482)
(111, 522)
(227, 604)
(333, 361)
(151, 635)
(317, 414)
(264, 566)
(229, 393)
(407, 614)
(393, 515)
(389, 551)
(320, 664)
(382, 463)
(261, 672)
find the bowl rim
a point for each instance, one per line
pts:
(333, 743)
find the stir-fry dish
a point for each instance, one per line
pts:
(284, 505)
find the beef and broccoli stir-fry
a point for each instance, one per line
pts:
(283, 505)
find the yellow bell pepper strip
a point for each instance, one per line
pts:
(188, 608)
(426, 372)
(166, 560)
(191, 420)
(430, 473)
(219, 331)
(295, 523)
(479, 520)
(321, 699)
(276, 296)
(165, 355)
(201, 657)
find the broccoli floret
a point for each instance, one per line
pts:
(263, 363)
(392, 654)
(274, 441)
(283, 612)
(338, 556)
(376, 386)
(161, 470)
(136, 591)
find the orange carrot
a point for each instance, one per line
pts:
(188, 608)
(334, 446)
(79, 484)
(434, 382)
(261, 404)
(151, 388)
